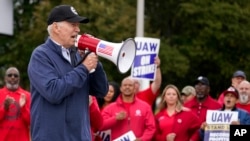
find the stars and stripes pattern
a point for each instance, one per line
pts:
(105, 49)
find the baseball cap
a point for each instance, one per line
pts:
(233, 91)
(187, 90)
(239, 73)
(202, 80)
(65, 13)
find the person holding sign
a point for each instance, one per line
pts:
(202, 101)
(128, 114)
(149, 94)
(231, 96)
(174, 121)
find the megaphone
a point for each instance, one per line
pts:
(121, 54)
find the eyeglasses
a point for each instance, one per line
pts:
(15, 75)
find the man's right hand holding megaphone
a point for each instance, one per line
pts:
(90, 61)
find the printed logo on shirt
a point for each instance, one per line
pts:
(161, 118)
(138, 113)
(14, 111)
(179, 120)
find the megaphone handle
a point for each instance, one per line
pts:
(83, 58)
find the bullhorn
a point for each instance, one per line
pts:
(121, 54)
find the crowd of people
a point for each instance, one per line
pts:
(70, 102)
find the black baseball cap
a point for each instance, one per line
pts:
(202, 80)
(65, 13)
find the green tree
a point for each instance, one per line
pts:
(197, 37)
(212, 35)
(109, 20)
(15, 49)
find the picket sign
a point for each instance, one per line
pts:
(129, 136)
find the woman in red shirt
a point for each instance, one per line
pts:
(175, 122)
(113, 93)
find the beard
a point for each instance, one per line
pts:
(243, 98)
(200, 96)
(12, 87)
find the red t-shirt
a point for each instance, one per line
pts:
(15, 123)
(200, 108)
(243, 106)
(126, 105)
(147, 95)
(166, 121)
(185, 124)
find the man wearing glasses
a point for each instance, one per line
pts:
(14, 108)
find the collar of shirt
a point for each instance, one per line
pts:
(66, 54)
(65, 51)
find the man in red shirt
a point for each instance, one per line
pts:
(244, 96)
(129, 113)
(202, 101)
(14, 109)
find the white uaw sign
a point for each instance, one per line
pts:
(146, 50)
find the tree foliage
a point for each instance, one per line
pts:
(212, 35)
(205, 37)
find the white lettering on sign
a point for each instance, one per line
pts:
(143, 70)
(145, 60)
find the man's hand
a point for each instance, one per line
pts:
(7, 102)
(235, 123)
(22, 100)
(157, 61)
(91, 61)
(170, 137)
(203, 125)
(121, 115)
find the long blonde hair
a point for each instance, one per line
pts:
(179, 105)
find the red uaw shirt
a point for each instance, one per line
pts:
(200, 108)
(185, 124)
(147, 95)
(140, 119)
(15, 123)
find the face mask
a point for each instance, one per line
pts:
(243, 98)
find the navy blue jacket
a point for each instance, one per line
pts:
(60, 95)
